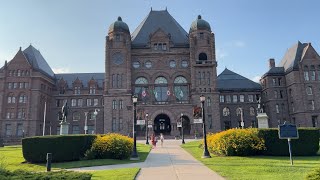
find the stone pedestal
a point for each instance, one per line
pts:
(262, 120)
(64, 128)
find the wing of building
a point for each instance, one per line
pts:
(168, 69)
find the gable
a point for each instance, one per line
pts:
(309, 53)
(19, 61)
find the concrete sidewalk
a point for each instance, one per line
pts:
(169, 162)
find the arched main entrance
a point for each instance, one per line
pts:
(162, 124)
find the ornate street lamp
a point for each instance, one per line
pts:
(134, 154)
(147, 137)
(206, 153)
(182, 128)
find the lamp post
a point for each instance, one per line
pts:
(206, 153)
(241, 115)
(147, 129)
(86, 122)
(95, 120)
(182, 128)
(134, 154)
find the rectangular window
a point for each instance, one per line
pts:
(292, 106)
(114, 104)
(76, 90)
(73, 102)
(275, 94)
(281, 94)
(164, 46)
(75, 129)
(250, 98)
(58, 130)
(241, 98)
(80, 102)
(306, 75)
(228, 98)
(311, 105)
(120, 104)
(222, 98)
(155, 46)
(277, 109)
(114, 124)
(15, 85)
(274, 81)
(21, 85)
(95, 102)
(114, 80)
(120, 124)
(20, 131)
(279, 81)
(9, 85)
(313, 75)
(234, 98)
(92, 90)
(21, 113)
(208, 101)
(26, 85)
(314, 121)
(8, 130)
(89, 102)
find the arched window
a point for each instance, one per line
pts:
(23, 98)
(141, 88)
(239, 111)
(226, 111)
(181, 90)
(161, 91)
(252, 113)
(203, 56)
(76, 116)
(11, 98)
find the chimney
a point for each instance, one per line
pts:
(272, 64)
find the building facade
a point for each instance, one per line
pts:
(168, 69)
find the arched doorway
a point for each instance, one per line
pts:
(162, 124)
(186, 125)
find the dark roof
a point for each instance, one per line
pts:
(293, 56)
(231, 81)
(119, 25)
(83, 77)
(199, 24)
(37, 61)
(164, 21)
(275, 71)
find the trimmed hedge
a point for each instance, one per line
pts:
(236, 142)
(63, 148)
(110, 146)
(313, 175)
(306, 145)
(21, 174)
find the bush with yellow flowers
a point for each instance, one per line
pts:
(236, 142)
(110, 146)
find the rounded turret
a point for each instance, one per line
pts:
(119, 26)
(199, 24)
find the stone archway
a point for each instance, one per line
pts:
(186, 125)
(162, 124)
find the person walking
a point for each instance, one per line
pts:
(161, 139)
(153, 141)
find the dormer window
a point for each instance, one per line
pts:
(77, 90)
(160, 46)
(164, 46)
(92, 90)
(155, 46)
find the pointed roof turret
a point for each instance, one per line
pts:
(159, 20)
(37, 61)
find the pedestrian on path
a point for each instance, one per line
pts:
(161, 139)
(153, 140)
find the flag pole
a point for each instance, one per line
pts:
(44, 118)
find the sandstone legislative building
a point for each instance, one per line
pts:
(168, 69)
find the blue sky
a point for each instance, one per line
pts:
(70, 34)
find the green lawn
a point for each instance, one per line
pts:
(256, 167)
(11, 157)
(116, 174)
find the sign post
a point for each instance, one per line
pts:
(288, 131)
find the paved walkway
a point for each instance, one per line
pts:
(169, 162)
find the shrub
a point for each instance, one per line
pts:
(63, 148)
(110, 146)
(306, 145)
(313, 175)
(235, 142)
(21, 174)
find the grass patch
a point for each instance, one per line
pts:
(116, 174)
(256, 167)
(13, 159)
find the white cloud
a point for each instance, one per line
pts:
(221, 54)
(256, 79)
(239, 44)
(61, 70)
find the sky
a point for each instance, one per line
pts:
(70, 34)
